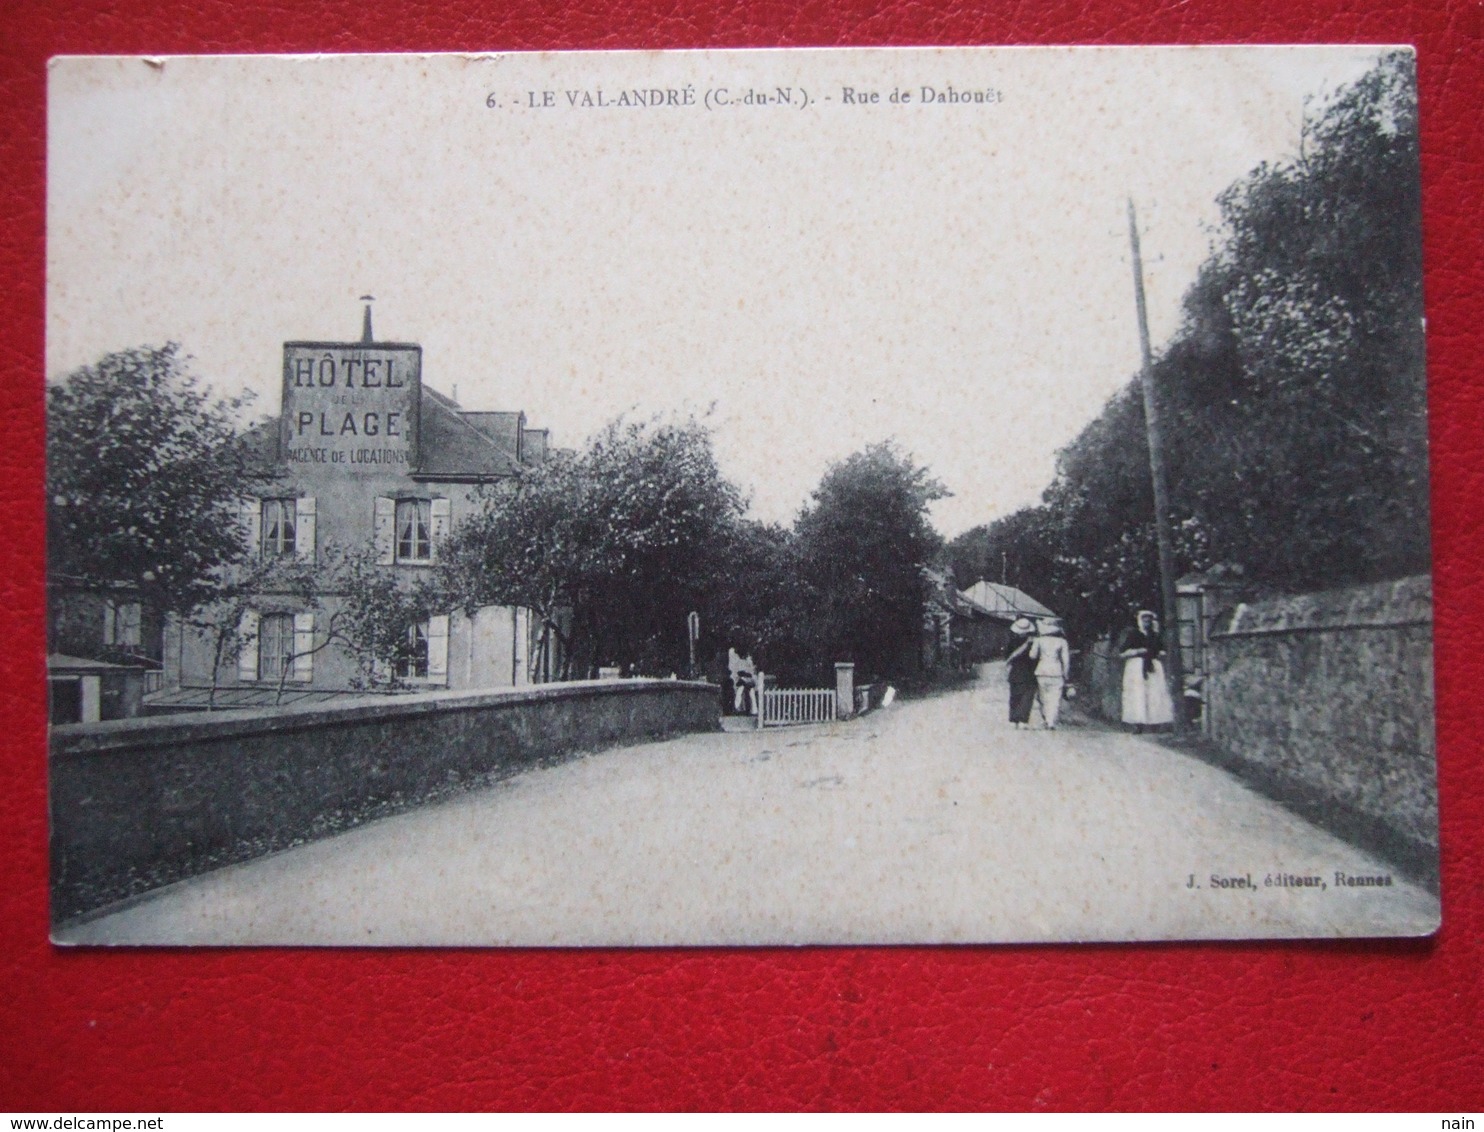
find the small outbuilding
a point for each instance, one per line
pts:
(88, 691)
(971, 626)
(989, 610)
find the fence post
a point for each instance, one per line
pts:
(844, 689)
(757, 695)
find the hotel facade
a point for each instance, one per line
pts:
(367, 460)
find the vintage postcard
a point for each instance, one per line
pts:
(738, 497)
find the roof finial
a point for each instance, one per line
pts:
(366, 338)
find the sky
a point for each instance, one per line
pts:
(810, 275)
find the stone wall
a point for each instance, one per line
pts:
(1326, 700)
(139, 803)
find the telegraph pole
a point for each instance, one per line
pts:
(1174, 664)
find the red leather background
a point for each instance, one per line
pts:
(1302, 1026)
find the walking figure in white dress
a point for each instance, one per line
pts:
(1052, 656)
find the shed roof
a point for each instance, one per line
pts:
(61, 662)
(1005, 602)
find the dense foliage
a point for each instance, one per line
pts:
(1293, 401)
(611, 547)
(144, 473)
(863, 543)
(1292, 398)
(614, 546)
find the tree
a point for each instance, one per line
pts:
(1025, 549)
(524, 547)
(144, 473)
(863, 543)
(611, 548)
(221, 617)
(358, 604)
(659, 516)
(762, 606)
(375, 609)
(1306, 348)
(1293, 394)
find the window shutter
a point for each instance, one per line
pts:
(130, 617)
(381, 672)
(252, 526)
(519, 672)
(438, 649)
(110, 622)
(384, 530)
(438, 515)
(304, 519)
(303, 647)
(91, 688)
(247, 653)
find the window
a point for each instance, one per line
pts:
(414, 530)
(408, 530)
(121, 624)
(275, 645)
(423, 654)
(412, 661)
(279, 527)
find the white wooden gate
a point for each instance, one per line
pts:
(785, 707)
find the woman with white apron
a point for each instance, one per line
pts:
(1146, 694)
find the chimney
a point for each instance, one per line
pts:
(366, 338)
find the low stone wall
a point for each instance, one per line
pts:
(138, 803)
(1326, 700)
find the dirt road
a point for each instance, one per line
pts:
(930, 821)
